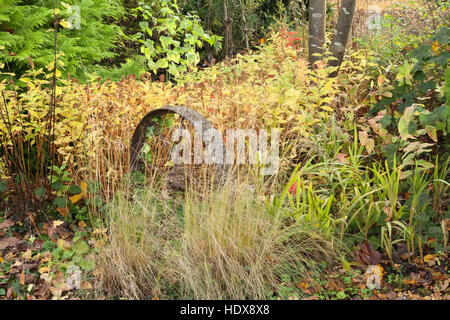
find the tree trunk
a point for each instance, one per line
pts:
(244, 20)
(208, 16)
(317, 23)
(342, 32)
(227, 21)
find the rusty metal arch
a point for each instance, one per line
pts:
(137, 141)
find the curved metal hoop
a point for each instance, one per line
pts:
(138, 138)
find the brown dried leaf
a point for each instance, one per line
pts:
(9, 293)
(366, 255)
(6, 224)
(22, 278)
(342, 158)
(391, 295)
(86, 285)
(63, 211)
(8, 242)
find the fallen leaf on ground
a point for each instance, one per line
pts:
(366, 255)
(444, 285)
(391, 295)
(44, 270)
(430, 259)
(342, 158)
(6, 224)
(333, 285)
(27, 254)
(57, 223)
(64, 244)
(303, 285)
(22, 278)
(63, 211)
(8, 242)
(312, 298)
(9, 293)
(86, 285)
(30, 266)
(82, 224)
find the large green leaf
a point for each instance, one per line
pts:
(166, 41)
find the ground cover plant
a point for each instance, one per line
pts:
(358, 208)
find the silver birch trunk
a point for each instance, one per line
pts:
(342, 32)
(316, 29)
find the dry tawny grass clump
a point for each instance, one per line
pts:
(222, 245)
(142, 231)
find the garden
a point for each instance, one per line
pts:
(352, 98)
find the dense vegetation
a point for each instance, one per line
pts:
(364, 168)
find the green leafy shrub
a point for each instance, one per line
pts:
(413, 117)
(403, 26)
(169, 40)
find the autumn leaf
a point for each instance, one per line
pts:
(22, 278)
(333, 285)
(63, 211)
(303, 285)
(83, 194)
(65, 24)
(57, 223)
(366, 255)
(86, 285)
(64, 244)
(6, 224)
(444, 285)
(435, 46)
(431, 131)
(82, 224)
(44, 270)
(430, 259)
(27, 254)
(8, 242)
(342, 158)
(365, 141)
(345, 264)
(380, 80)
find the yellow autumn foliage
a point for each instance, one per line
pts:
(270, 88)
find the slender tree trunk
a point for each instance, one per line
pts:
(208, 16)
(304, 9)
(244, 20)
(317, 23)
(227, 21)
(342, 32)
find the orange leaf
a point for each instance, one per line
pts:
(435, 46)
(83, 186)
(22, 278)
(63, 211)
(85, 285)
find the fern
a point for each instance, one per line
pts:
(26, 30)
